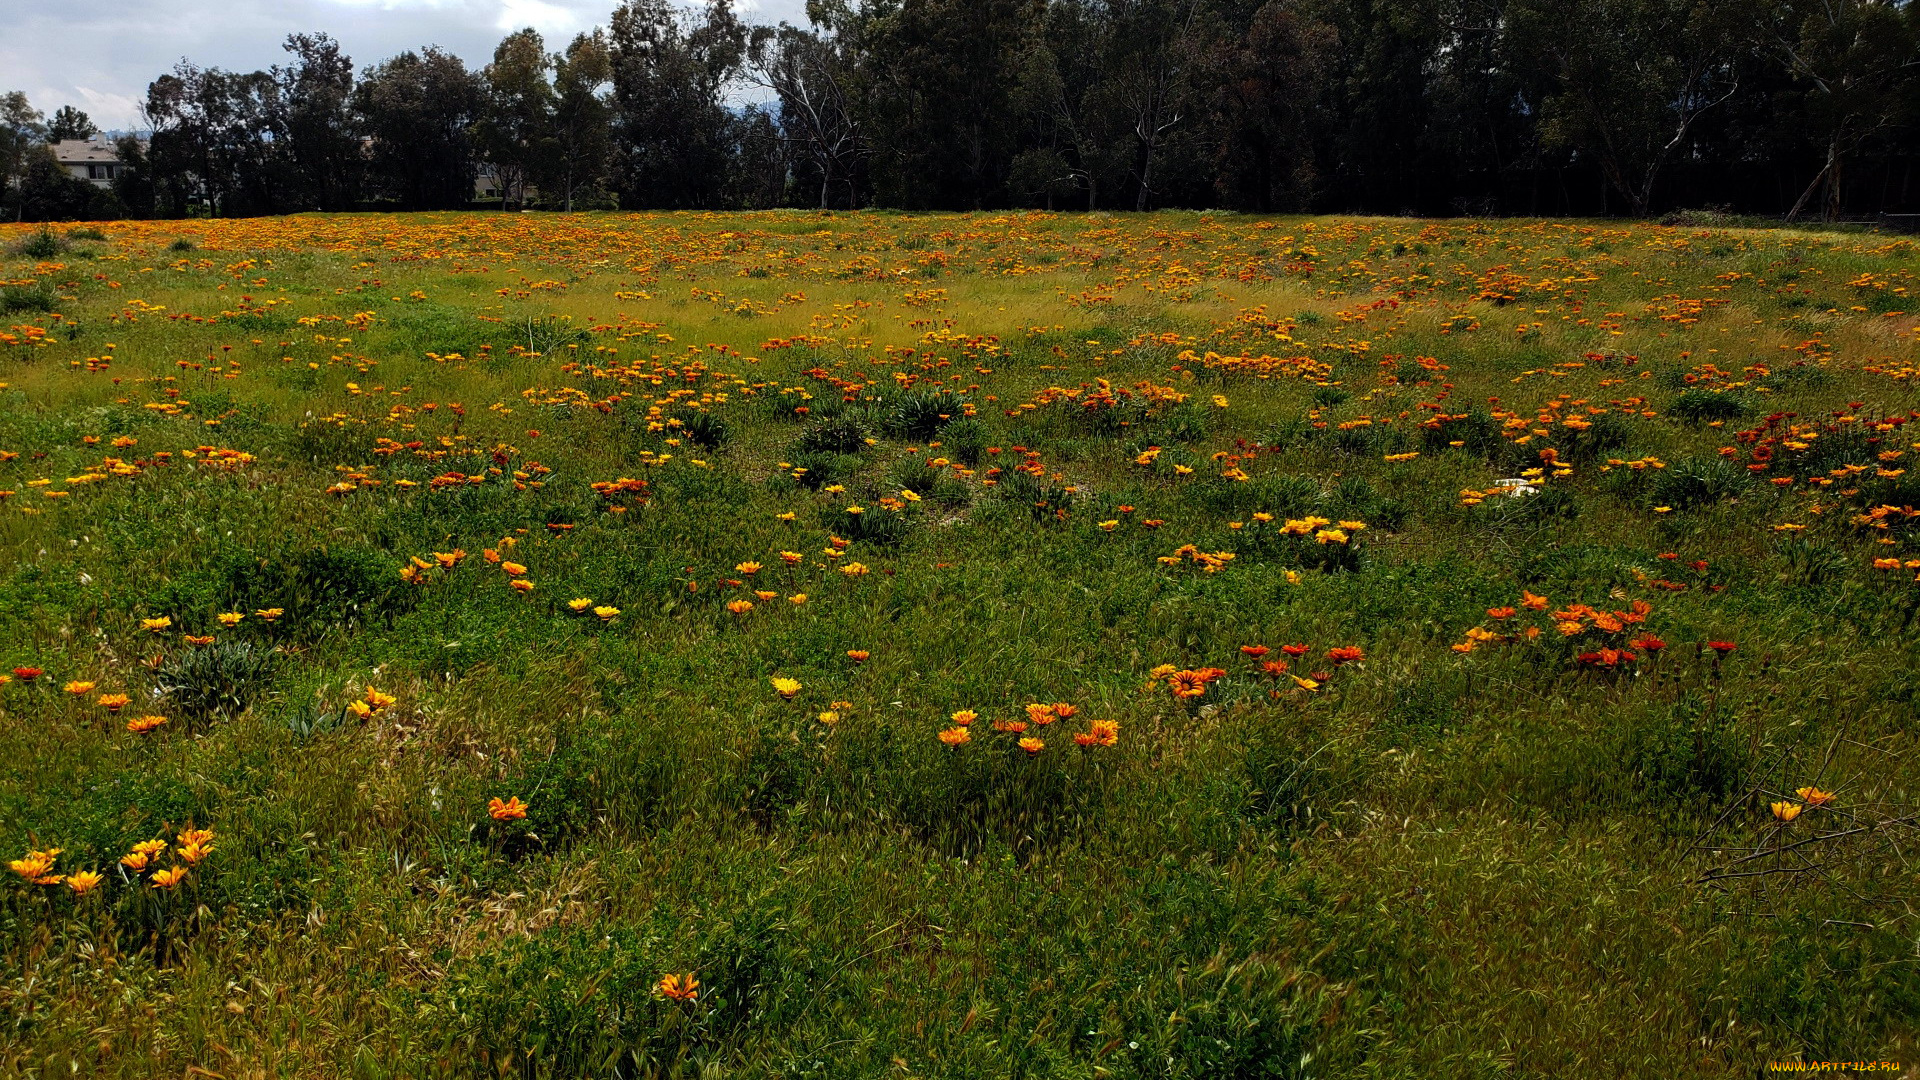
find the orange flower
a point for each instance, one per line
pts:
(680, 987)
(113, 703)
(510, 810)
(78, 688)
(1032, 745)
(956, 736)
(858, 656)
(1532, 602)
(1041, 714)
(1499, 612)
(168, 878)
(140, 725)
(1346, 654)
(965, 717)
(1255, 651)
(1814, 796)
(739, 607)
(1065, 711)
(36, 866)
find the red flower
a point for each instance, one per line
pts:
(27, 674)
(1294, 650)
(1345, 654)
(1276, 668)
(1649, 643)
(1255, 651)
(1722, 647)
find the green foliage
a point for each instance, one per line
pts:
(1701, 406)
(214, 681)
(834, 435)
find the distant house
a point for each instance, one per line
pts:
(94, 160)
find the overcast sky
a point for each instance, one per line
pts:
(100, 55)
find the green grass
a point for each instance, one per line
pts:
(1068, 452)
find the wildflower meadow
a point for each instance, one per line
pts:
(795, 645)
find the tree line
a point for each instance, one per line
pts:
(1798, 108)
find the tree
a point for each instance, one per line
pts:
(133, 182)
(418, 109)
(1264, 107)
(1854, 61)
(315, 130)
(581, 143)
(934, 94)
(213, 140)
(809, 75)
(20, 131)
(671, 73)
(515, 128)
(1625, 80)
(70, 123)
(48, 192)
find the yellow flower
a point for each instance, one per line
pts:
(360, 708)
(83, 882)
(607, 612)
(1304, 684)
(78, 688)
(521, 585)
(792, 558)
(828, 718)
(113, 703)
(747, 568)
(965, 717)
(1786, 811)
(739, 607)
(580, 603)
(956, 736)
(797, 599)
(167, 879)
(1030, 744)
(379, 699)
(36, 865)
(140, 725)
(270, 614)
(786, 687)
(229, 618)
(157, 626)
(854, 569)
